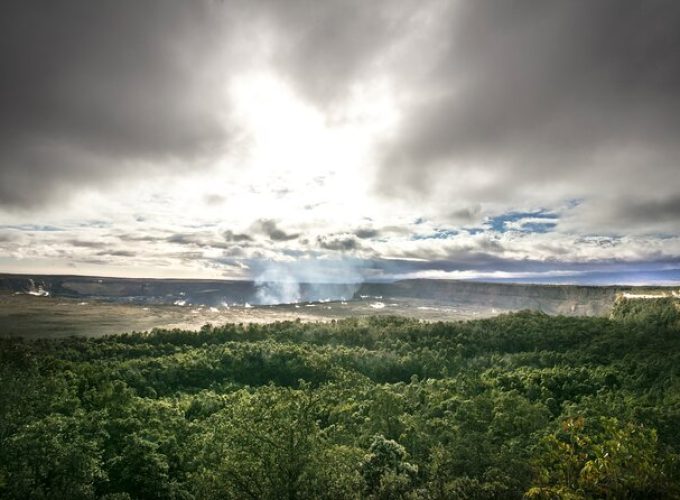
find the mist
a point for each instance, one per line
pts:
(306, 281)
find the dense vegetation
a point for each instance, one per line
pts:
(519, 405)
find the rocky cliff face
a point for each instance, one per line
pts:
(132, 290)
(552, 299)
(167, 291)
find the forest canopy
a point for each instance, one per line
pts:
(520, 405)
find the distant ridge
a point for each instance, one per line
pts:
(550, 298)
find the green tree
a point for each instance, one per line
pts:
(386, 471)
(607, 459)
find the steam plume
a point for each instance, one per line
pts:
(306, 281)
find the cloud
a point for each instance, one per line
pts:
(269, 228)
(327, 47)
(117, 253)
(539, 221)
(465, 215)
(238, 237)
(665, 209)
(86, 244)
(452, 136)
(213, 199)
(338, 243)
(525, 102)
(184, 239)
(366, 233)
(93, 92)
(148, 238)
(632, 215)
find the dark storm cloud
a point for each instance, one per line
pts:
(92, 91)
(496, 99)
(632, 214)
(667, 209)
(546, 94)
(89, 90)
(326, 46)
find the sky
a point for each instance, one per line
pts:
(341, 140)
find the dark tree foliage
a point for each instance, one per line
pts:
(520, 405)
